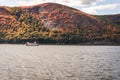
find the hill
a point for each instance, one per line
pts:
(56, 23)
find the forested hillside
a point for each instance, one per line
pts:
(57, 24)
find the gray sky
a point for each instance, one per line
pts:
(99, 7)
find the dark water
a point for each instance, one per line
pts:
(47, 62)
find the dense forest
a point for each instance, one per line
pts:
(58, 25)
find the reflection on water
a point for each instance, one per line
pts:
(47, 62)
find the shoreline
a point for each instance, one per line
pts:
(93, 43)
(67, 44)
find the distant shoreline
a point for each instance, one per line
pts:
(68, 44)
(93, 43)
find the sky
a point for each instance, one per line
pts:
(95, 7)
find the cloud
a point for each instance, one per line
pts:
(84, 5)
(87, 2)
(94, 9)
(33, 2)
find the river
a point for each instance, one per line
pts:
(52, 62)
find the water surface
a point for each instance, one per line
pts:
(51, 62)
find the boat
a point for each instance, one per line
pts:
(32, 44)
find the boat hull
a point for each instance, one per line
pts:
(32, 44)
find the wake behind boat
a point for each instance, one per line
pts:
(32, 44)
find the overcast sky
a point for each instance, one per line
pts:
(96, 7)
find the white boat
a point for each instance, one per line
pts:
(32, 44)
